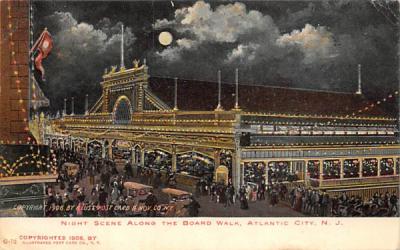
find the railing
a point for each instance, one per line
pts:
(354, 181)
(163, 118)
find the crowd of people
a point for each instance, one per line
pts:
(319, 203)
(107, 195)
(106, 189)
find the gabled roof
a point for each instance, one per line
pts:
(203, 96)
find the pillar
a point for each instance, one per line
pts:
(173, 155)
(242, 173)
(291, 167)
(379, 166)
(133, 156)
(341, 169)
(103, 150)
(236, 159)
(86, 146)
(142, 157)
(266, 169)
(217, 153)
(236, 173)
(216, 162)
(360, 167)
(321, 171)
(110, 153)
(395, 165)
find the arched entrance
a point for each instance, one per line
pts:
(122, 111)
(158, 159)
(121, 150)
(195, 164)
(222, 175)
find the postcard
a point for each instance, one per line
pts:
(199, 124)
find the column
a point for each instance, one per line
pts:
(360, 167)
(242, 173)
(217, 158)
(321, 172)
(395, 165)
(291, 167)
(379, 166)
(216, 162)
(266, 169)
(142, 157)
(341, 169)
(173, 155)
(236, 158)
(133, 156)
(110, 152)
(236, 173)
(86, 146)
(103, 151)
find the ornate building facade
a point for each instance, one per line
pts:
(250, 134)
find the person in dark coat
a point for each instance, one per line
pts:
(274, 197)
(198, 189)
(103, 196)
(157, 180)
(128, 170)
(138, 170)
(150, 202)
(193, 207)
(243, 199)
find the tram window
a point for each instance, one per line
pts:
(254, 172)
(370, 167)
(387, 166)
(351, 168)
(331, 169)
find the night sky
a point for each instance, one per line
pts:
(313, 45)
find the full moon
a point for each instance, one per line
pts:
(165, 38)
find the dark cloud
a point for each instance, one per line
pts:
(303, 44)
(81, 54)
(320, 48)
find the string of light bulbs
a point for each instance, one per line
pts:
(15, 72)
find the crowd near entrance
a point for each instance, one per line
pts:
(106, 165)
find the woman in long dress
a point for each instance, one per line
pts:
(243, 199)
(298, 201)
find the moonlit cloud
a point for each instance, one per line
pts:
(228, 23)
(243, 52)
(316, 43)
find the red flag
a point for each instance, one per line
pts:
(43, 46)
